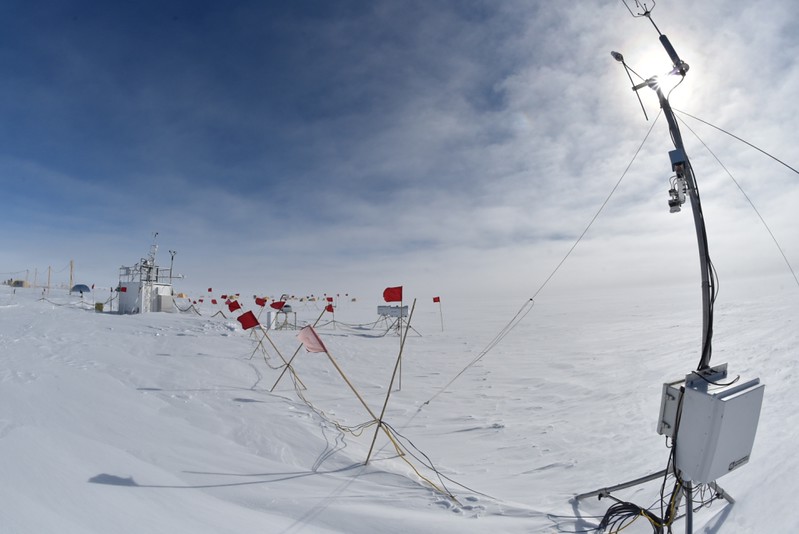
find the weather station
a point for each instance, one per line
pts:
(709, 417)
(145, 287)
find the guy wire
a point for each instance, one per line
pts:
(528, 305)
(734, 137)
(749, 200)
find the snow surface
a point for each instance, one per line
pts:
(164, 423)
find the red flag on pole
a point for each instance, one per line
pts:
(329, 308)
(210, 290)
(223, 296)
(278, 305)
(310, 340)
(234, 305)
(123, 289)
(247, 320)
(436, 299)
(213, 301)
(393, 294)
(260, 301)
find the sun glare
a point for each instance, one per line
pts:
(667, 82)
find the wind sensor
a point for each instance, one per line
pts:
(710, 418)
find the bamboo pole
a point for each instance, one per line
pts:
(293, 356)
(287, 364)
(390, 384)
(363, 402)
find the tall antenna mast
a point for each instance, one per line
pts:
(683, 181)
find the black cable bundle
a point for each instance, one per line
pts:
(622, 514)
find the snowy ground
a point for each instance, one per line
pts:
(164, 423)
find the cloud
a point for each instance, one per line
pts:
(457, 143)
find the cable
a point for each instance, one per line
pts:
(744, 141)
(184, 310)
(748, 199)
(712, 277)
(528, 305)
(721, 384)
(427, 462)
(357, 430)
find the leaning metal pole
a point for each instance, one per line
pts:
(684, 172)
(701, 233)
(682, 167)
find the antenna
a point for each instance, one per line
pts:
(641, 9)
(153, 249)
(172, 254)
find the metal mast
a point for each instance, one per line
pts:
(684, 181)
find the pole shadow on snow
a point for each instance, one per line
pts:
(114, 480)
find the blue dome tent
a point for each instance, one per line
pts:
(80, 288)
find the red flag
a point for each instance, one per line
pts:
(260, 301)
(393, 294)
(123, 289)
(436, 299)
(247, 320)
(278, 305)
(234, 305)
(223, 296)
(213, 301)
(201, 301)
(310, 339)
(330, 299)
(329, 308)
(210, 289)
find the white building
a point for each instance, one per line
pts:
(146, 287)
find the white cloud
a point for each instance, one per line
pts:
(440, 145)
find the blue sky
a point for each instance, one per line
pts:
(449, 146)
